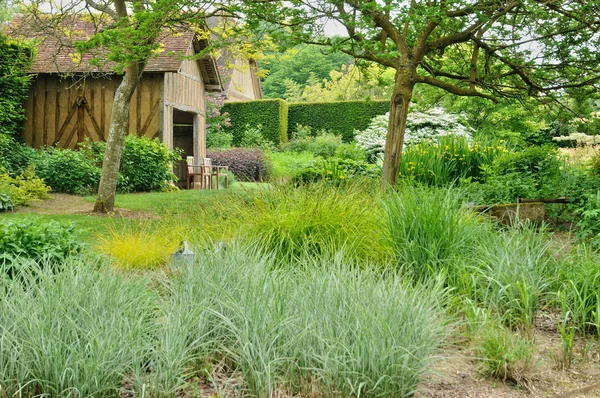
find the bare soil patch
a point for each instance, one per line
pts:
(457, 375)
(72, 204)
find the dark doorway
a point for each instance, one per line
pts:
(183, 138)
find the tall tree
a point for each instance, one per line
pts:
(128, 35)
(488, 49)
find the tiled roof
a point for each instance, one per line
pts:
(55, 52)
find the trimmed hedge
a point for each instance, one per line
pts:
(272, 114)
(15, 58)
(341, 117)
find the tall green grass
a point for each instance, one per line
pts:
(578, 291)
(448, 159)
(429, 231)
(288, 221)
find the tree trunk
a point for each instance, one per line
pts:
(395, 135)
(119, 126)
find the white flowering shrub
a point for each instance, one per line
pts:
(580, 139)
(427, 125)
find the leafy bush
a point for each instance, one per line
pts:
(532, 173)
(14, 155)
(45, 243)
(6, 203)
(427, 125)
(254, 138)
(272, 114)
(146, 165)
(336, 170)
(339, 117)
(23, 188)
(351, 151)
(321, 143)
(218, 139)
(67, 171)
(286, 164)
(245, 164)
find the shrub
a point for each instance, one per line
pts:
(146, 165)
(427, 125)
(336, 171)
(254, 138)
(286, 164)
(6, 203)
(67, 171)
(45, 243)
(245, 164)
(272, 114)
(351, 151)
(14, 155)
(542, 162)
(532, 173)
(23, 188)
(218, 139)
(322, 143)
(340, 118)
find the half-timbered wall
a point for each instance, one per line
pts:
(64, 112)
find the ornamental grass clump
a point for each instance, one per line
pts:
(79, 333)
(429, 231)
(290, 220)
(512, 273)
(324, 327)
(141, 246)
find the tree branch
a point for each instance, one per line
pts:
(453, 89)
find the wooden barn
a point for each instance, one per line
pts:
(70, 100)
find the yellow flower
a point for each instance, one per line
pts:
(505, 151)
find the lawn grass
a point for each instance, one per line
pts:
(166, 202)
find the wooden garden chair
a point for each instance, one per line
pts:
(197, 170)
(217, 171)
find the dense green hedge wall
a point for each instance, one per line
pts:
(341, 117)
(271, 114)
(15, 58)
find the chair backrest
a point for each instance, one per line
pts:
(207, 162)
(190, 164)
